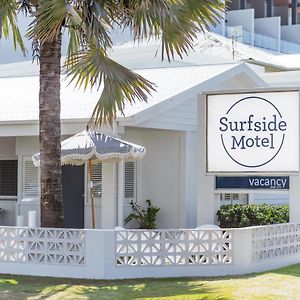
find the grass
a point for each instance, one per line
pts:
(280, 284)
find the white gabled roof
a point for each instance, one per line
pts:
(19, 95)
(170, 82)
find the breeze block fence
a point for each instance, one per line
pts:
(116, 254)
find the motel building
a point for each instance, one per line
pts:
(215, 133)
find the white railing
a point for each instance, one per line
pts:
(174, 247)
(267, 42)
(289, 47)
(42, 245)
(274, 241)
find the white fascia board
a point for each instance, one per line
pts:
(31, 128)
(169, 103)
(168, 126)
(18, 129)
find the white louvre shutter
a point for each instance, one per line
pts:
(97, 180)
(30, 179)
(130, 170)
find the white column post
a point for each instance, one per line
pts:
(121, 196)
(294, 192)
(294, 203)
(108, 208)
(205, 183)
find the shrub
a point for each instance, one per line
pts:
(239, 215)
(145, 218)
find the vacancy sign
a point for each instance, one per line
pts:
(253, 132)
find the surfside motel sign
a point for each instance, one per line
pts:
(253, 132)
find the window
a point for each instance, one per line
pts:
(234, 198)
(8, 177)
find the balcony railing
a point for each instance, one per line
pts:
(267, 42)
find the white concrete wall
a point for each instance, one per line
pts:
(247, 250)
(270, 198)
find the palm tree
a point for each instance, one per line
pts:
(89, 24)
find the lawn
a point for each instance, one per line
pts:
(280, 284)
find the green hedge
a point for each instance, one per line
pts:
(239, 215)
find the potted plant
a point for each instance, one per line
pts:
(146, 218)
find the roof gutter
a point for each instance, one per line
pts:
(269, 67)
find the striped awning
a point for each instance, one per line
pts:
(96, 146)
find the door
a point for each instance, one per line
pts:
(73, 196)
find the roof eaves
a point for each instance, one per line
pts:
(272, 67)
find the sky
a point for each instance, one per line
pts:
(9, 55)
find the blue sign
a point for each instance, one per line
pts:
(253, 182)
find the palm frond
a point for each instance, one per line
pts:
(87, 23)
(177, 22)
(94, 68)
(192, 16)
(144, 18)
(96, 22)
(50, 17)
(8, 23)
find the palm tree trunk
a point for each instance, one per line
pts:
(50, 132)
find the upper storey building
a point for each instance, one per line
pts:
(268, 24)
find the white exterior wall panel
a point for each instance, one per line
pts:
(180, 117)
(160, 170)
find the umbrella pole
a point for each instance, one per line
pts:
(91, 192)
